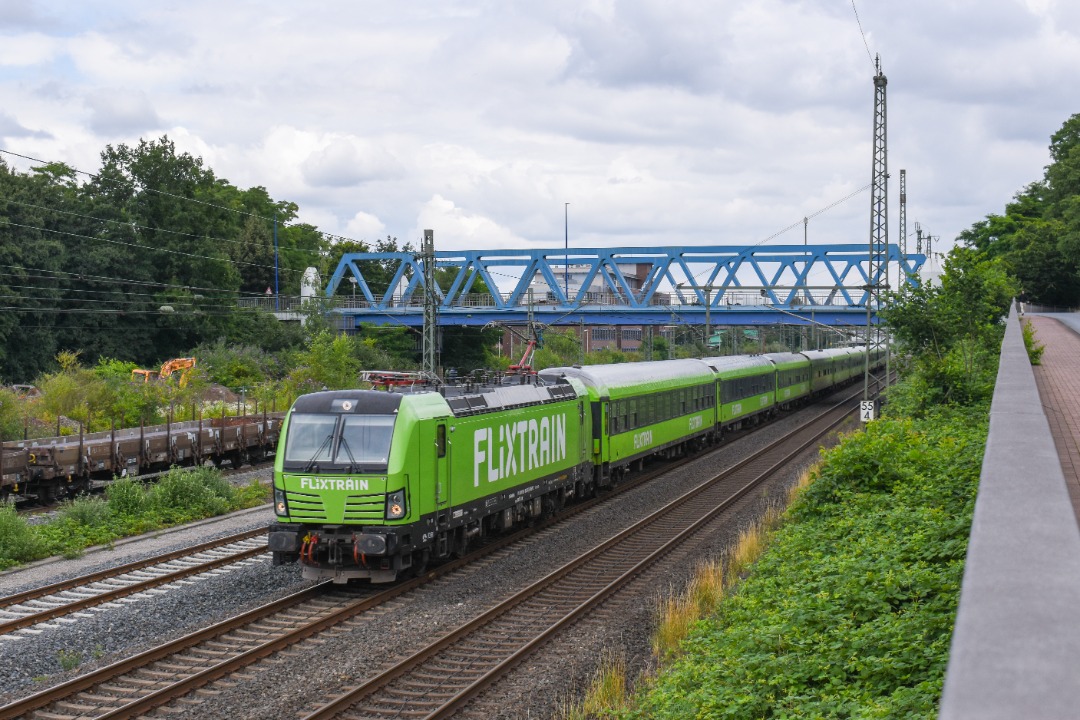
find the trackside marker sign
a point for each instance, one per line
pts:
(867, 411)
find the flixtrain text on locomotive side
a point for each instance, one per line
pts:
(368, 484)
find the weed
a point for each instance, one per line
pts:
(87, 511)
(69, 659)
(183, 495)
(18, 544)
(607, 692)
(749, 547)
(126, 496)
(1034, 348)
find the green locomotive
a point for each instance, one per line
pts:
(370, 483)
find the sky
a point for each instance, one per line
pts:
(598, 123)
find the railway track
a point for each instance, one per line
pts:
(442, 678)
(137, 685)
(32, 607)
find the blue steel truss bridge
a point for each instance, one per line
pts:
(717, 285)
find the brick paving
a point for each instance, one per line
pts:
(1058, 378)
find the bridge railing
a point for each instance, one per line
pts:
(413, 302)
(1016, 643)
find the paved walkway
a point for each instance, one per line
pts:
(1058, 378)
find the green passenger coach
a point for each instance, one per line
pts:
(644, 408)
(792, 377)
(745, 388)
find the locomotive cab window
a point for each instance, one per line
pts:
(310, 438)
(365, 440)
(353, 443)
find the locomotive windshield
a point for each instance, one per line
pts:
(345, 443)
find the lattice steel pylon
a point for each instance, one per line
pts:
(879, 230)
(903, 223)
(431, 307)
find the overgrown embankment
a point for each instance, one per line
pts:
(849, 612)
(128, 508)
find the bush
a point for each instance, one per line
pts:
(127, 497)
(87, 511)
(850, 612)
(182, 495)
(18, 544)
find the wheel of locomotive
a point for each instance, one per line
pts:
(460, 543)
(420, 560)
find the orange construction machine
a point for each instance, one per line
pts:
(183, 365)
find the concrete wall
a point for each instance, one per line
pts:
(1016, 646)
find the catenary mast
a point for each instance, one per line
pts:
(877, 270)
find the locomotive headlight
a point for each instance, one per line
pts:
(281, 507)
(395, 505)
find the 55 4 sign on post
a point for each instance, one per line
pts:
(867, 410)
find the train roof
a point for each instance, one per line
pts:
(623, 379)
(459, 400)
(783, 358)
(728, 363)
(506, 397)
(831, 353)
(361, 402)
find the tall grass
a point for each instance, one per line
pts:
(18, 544)
(606, 695)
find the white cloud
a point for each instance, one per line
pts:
(12, 128)
(366, 227)
(346, 162)
(456, 228)
(121, 112)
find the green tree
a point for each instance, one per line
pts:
(329, 363)
(1038, 237)
(952, 332)
(253, 255)
(35, 291)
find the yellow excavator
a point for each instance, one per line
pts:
(181, 365)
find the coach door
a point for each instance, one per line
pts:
(441, 474)
(583, 436)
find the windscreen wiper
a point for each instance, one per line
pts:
(345, 446)
(315, 458)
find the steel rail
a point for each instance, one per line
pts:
(135, 587)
